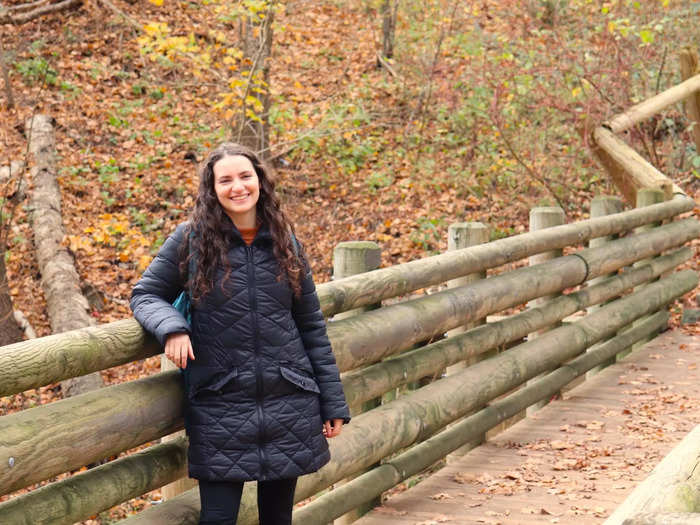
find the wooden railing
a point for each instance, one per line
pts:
(378, 351)
(48, 440)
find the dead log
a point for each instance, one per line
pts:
(23, 13)
(67, 307)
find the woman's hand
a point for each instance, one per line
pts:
(332, 429)
(178, 347)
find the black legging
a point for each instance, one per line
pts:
(221, 499)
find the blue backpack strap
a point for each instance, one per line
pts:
(295, 244)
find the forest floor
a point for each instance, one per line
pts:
(485, 114)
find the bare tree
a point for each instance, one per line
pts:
(10, 332)
(389, 9)
(251, 125)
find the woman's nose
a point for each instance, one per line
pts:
(237, 185)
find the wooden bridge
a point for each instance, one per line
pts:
(434, 356)
(576, 459)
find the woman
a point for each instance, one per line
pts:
(263, 389)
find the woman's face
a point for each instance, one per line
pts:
(238, 189)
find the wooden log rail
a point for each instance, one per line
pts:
(31, 364)
(361, 339)
(627, 168)
(48, 440)
(420, 414)
(673, 487)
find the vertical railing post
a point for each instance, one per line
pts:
(541, 218)
(601, 206)
(689, 68)
(462, 235)
(645, 197)
(351, 258)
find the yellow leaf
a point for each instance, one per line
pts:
(144, 261)
(156, 2)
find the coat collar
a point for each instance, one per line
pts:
(263, 234)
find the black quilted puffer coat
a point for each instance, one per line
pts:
(264, 377)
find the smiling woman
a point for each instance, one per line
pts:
(238, 189)
(263, 391)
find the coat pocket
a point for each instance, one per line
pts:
(302, 381)
(216, 385)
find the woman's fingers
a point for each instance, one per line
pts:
(331, 430)
(337, 427)
(177, 348)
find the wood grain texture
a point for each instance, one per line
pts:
(41, 442)
(85, 494)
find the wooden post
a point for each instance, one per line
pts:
(183, 484)
(645, 197)
(601, 206)
(462, 235)
(541, 218)
(689, 68)
(351, 258)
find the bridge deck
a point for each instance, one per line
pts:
(576, 459)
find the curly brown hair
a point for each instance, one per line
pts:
(208, 224)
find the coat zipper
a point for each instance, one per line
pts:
(258, 371)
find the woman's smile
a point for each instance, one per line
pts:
(237, 188)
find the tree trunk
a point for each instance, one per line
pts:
(67, 307)
(389, 10)
(10, 331)
(252, 126)
(6, 78)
